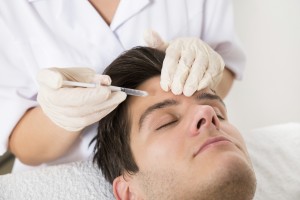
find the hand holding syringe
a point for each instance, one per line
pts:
(112, 88)
(74, 98)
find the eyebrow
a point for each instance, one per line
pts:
(209, 96)
(171, 102)
(160, 105)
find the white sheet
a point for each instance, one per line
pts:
(275, 153)
(74, 181)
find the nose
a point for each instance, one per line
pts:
(204, 119)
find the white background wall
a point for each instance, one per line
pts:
(269, 31)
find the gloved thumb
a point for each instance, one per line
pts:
(54, 77)
(51, 78)
(154, 40)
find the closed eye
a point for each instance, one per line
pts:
(220, 117)
(167, 124)
(219, 113)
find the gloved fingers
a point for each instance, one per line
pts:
(218, 63)
(102, 79)
(114, 99)
(75, 97)
(205, 81)
(78, 122)
(197, 72)
(182, 71)
(54, 77)
(57, 117)
(214, 72)
(97, 116)
(79, 74)
(74, 108)
(154, 40)
(68, 123)
(81, 111)
(210, 79)
(170, 64)
(50, 78)
(75, 119)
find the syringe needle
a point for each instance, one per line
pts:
(112, 88)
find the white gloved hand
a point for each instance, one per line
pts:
(190, 64)
(74, 108)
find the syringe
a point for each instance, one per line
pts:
(128, 91)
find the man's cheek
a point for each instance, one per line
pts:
(156, 155)
(234, 133)
(229, 129)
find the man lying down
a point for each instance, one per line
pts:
(165, 146)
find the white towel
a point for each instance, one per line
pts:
(73, 181)
(275, 153)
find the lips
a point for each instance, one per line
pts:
(210, 142)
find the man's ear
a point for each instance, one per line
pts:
(123, 190)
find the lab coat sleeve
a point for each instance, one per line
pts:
(219, 32)
(17, 86)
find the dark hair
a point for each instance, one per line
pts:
(112, 151)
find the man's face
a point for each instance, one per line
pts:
(186, 148)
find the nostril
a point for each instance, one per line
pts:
(213, 121)
(200, 122)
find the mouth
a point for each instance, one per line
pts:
(212, 142)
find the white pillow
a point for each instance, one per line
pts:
(73, 181)
(275, 153)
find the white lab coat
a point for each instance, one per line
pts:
(37, 34)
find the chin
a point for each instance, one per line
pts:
(234, 178)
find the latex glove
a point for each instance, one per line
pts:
(190, 64)
(74, 108)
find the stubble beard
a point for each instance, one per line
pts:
(238, 183)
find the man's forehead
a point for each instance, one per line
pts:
(156, 94)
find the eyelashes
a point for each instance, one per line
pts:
(220, 117)
(173, 122)
(167, 124)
